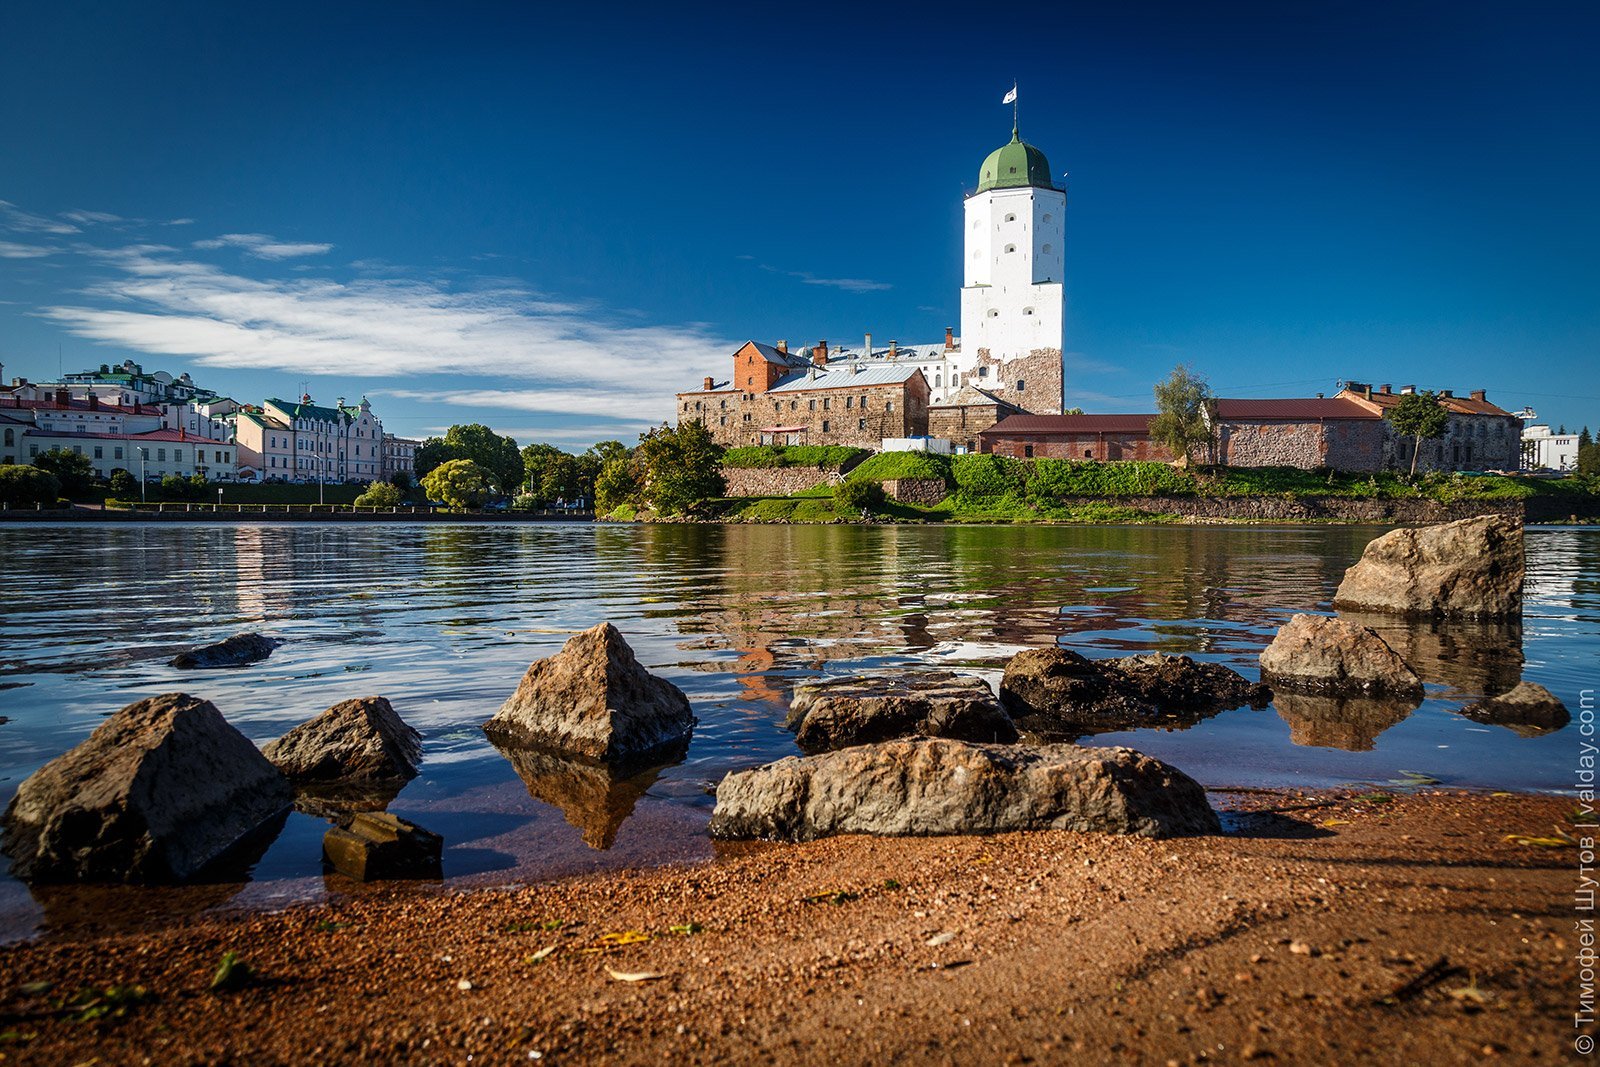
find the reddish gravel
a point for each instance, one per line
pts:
(1284, 943)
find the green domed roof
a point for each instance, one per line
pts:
(1013, 165)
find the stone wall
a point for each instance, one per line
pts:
(775, 481)
(1105, 447)
(861, 416)
(1343, 444)
(961, 424)
(923, 491)
(1039, 372)
(1470, 443)
(1329, 508)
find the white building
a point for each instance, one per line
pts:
(1544, 450)
(153, 455)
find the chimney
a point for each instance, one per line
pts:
(894, 348)
(709, 386)
(867, 348)
(1480, 395)
(819, 355)
(1407, 390)
(1446, 393)
(63, 398)
(94, 401)
(1385, 389)
(783, 347)
(949, 336)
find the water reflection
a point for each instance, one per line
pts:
(595, 798)
(1350, 723)
(1465, 655)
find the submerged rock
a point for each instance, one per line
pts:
(1530, 710)
(928, 786)
(1350, 723)
(1469, 567)
(235, 651)
(839, 712)
(593, 699)
(355, 741)
(375, 846)
(595, 798)
(160, 789)
(1318, 653)
(1053, 690)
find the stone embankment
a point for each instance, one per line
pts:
(775, 481)
(1307, 509)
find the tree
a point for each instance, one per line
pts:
(1584, 440)
(72, 469)
(402, 481)
(459, 484)
(616, 484)
(679, 467)
(496, 456)
(124, 486)
(1418, 416)
(379, 495)
(1588, 459)
(1073, 411)
(862, 495)
(1182, 419)
(24, 486)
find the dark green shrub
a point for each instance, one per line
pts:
(25, 487)
(985, 475)
(858, 495)
(823, 457)
(888, 466)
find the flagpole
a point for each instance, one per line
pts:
(1015, 128)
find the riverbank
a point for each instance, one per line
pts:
(256, 513)
(1334, 928)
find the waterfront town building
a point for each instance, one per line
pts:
(1546, 450)
(399, 456)
(1103, 438)
(1007, 359)
(1480, 436)
(304, 442)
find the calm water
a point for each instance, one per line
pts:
(443, 620)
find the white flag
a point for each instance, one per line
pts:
(1011, 97)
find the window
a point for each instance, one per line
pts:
(862, 403)
(1088, 453)
(994, 313)
(11, 437)
(824, 425)
(161, 455)
(99, 453)
(888, 405)
(1011, 248)
(1011, 218)
(1046, 219)
(936, 382)
(33, 450)
(116, 453)
(1046, 249)
(849, 402)
(794, 405)
(825, 407)
(983, 372)
(811, 405)
(1021, 384)
(861, 424)
(1027, 311)
(1027, 451)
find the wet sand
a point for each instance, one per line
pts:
(1332, 930)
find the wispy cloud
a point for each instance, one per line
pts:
(11, 250)
(554, 401)
(263, 246)
(88, 218)
(849, 285)
(14, 218)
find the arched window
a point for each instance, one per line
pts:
(994, 313)
(1011, 218)
(1011, 248)
(936, 384)
(1046, 249)
(1027, 311)
(11, 437)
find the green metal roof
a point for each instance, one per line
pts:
(307, 411)
(1015, 165)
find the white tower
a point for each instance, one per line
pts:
(1012, 302)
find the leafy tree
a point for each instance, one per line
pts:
(862, 495)
(1418, 416)
(1182, 421)
(72, 469)
(616, 484)
(458, 483)
(496, 456)
(124, 486)
(175, 488)
(402, 481)
(535, 458)
(680, 467)
(379, 495)
(1073, 411)
(25, 486)
(605, 451)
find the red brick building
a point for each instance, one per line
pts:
(1098, 437)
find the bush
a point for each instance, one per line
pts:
(823, 457)
(858, 496)
(379, 495)
(74, 473)
(985, 475)
(176, 488)
(1052, 479)
(617, 485)
(25, 487)
(888, 466)
(458, 483)
(123, 484)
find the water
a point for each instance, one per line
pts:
(443, 620)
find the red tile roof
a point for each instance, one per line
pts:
(1068, 425)
(1305, 409)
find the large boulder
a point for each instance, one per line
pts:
(1056, 691)
(1529, 709)
(839, 712)
(355, 741)
(374, 846)
(235, 651)
(593, 699)
(1322, 654)
(159, 790)
(925, 786)
(1469, 567)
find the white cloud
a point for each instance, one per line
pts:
(10, 250)
(577, 437)
(263, 246)
(14, 218)
(648, 406)
(849, 285)
(90, 217)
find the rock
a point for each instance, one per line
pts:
(1056, 691)
(1318, 653)
(360, 740)
(925, 786)
(160, 789)
(1530, 710)
(1470, 567)
(375, 846)
(236, 651)
(1474, 656)
(839, 712)
(1350, 723)
(596, 798)
(593, 699)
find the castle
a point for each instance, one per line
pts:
(1006, 361)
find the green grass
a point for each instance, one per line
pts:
(888, 466)
(823, 457)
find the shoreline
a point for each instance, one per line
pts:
(1309, 933)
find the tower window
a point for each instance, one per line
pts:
(1021, 385)
(1011, 248)
(1011, 218)
(1047, 249)
(1027, 311)
(994, 313)
(1047, 216)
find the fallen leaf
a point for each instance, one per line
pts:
(1471, 992)
(634, 976)
(940, 939)
(543, 953)
(686, 928)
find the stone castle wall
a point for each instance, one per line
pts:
(924, 491)
(775, 481)
(1039, 372)
(1343, 444)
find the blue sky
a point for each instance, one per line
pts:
(551, 220)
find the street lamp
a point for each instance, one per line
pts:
(144, 484)
(219, 499)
